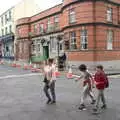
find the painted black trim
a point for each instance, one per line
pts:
(40, 35)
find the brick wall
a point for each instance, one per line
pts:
(86, 12)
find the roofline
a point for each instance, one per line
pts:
(47, 9)
(7, 11)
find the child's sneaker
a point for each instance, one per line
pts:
(93, 102)
(104, 107)
(82, 107)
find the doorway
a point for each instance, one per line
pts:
(46, 52)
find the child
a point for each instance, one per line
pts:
(87, 86)
(49, 82)
(101, 82)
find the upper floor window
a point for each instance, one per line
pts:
(72, 18)
(6, 19)
(84, 39)
(109, 14)
(2, 21)
(109, 40)
(2, 30)
(10, 29)
(35, 28)
(56, 22)
(10, 15)
(73, 40)
(6, 30)
(41, 28)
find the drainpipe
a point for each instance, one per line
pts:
(94, 33)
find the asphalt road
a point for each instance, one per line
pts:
(22, 98)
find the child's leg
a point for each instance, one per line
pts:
(103, 99)
(90, 93)
(84, 94)
(98, 98)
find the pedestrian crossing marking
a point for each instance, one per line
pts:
(114, 76)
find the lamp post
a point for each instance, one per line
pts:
(59, 38)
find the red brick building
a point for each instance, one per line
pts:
(89, 30)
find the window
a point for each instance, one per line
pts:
(2, 32)
(53, 43)
(84, 39)
(48, 25)
(109, 40)
(33, 46)
(6, 30)
(73, 40)
(109, 14)
(9, 15)
(56, 22)
(72, 18)
(38, 45)
(10, 29)
(2, 21)
(41, 28)
(6, 19)
(35, 28)
(66, 39)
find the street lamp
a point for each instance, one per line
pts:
(59, 38)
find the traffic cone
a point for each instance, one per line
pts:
(34, 69)
(30, 65)
(70, 74)
(13, 64)
(57, 73)
(2, 62)
(18, 65)
(25, 67)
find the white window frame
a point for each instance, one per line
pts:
(109, 14)
(72, 16)
(84, 39)
(56, 22)
(110, 39)
(38, 46)
(41, 28)
(10, 28)
(53, 43)
(35, 28)
(73, 44)
(33, 47)
(48, 25)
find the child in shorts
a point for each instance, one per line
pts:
(87, 86)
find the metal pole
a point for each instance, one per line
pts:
(58, 54)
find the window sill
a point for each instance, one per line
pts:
(72, 23)
(110, 22)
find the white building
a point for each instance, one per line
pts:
(25, 8)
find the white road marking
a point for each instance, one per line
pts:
(114, 76)
(18, 76)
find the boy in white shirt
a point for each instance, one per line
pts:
(50, 82)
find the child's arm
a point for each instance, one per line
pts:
(79, 78)
(92, 81)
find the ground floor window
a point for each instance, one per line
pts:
(109, 39)
(73, 45)
(84, 39)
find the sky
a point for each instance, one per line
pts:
(43, 4)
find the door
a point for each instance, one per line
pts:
(46, 52)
